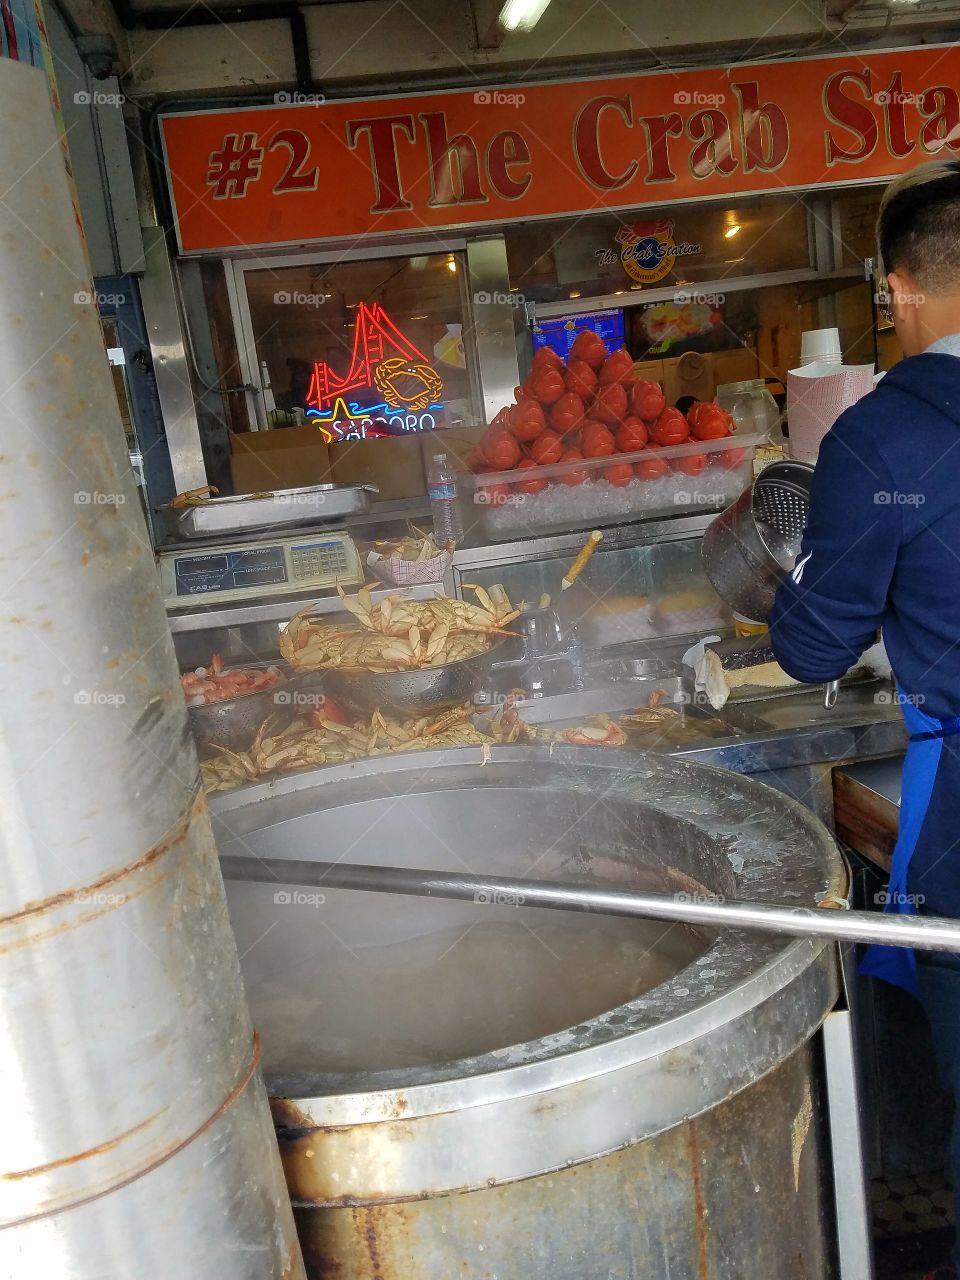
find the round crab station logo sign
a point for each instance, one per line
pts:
(649, 251)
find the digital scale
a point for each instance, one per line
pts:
(226, 572)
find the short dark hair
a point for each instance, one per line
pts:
(918, 229)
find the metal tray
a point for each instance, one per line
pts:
(318, 503)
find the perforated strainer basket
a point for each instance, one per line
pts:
(749, 548)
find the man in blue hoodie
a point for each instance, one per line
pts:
(882, 551)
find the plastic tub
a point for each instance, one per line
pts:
(505, 512)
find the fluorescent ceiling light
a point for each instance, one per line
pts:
(731, 231)
(522, 15)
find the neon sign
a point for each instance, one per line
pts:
(403, 389)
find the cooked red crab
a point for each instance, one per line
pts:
(214, 684)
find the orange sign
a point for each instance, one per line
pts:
(305, 169)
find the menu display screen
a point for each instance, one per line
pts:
(228, 570)
(560, 331)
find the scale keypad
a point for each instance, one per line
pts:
(318, 559)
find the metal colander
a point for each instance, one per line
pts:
(781, 504)
(749, 548)
(233, 722)
(418, 691)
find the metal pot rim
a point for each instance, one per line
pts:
(746, 973)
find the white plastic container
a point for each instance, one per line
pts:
(723, 469)
(820, 344)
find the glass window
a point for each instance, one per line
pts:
(652, 248)
(855, 223)
(362, 349)
(649, 592)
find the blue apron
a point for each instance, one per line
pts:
(898, 964)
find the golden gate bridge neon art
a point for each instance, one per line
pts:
(383, 362)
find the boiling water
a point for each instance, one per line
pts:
(448, 994)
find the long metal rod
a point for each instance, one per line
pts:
(928, 933)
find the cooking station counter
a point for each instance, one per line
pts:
(788, 739)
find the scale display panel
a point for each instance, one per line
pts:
(239, 571)
(229, 570)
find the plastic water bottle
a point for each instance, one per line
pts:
(444, 503)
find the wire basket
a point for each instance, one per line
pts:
(751, 546)
(419, 690)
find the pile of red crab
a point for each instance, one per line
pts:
(217, 683)
(594, 407)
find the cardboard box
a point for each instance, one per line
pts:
(649, 370)
(287, 458)
(735, 366)
(276, 438)
(455, 442)
(688, 375)
(279, 469)
(395, 465)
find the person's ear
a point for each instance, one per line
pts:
(902, 292)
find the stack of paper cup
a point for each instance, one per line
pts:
(820, 345)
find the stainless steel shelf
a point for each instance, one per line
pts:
(278, 610)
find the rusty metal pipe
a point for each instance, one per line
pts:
(136, 1135)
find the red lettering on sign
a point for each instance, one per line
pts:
(384, 162)
(586, 143)
(894, 100)
(713, 153)
(295, 177)
(234, 166)
(506, 149)
(850, 114)
(660, 129)
(941, 108)
(766, 134)
(454, 163)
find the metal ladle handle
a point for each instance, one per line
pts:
(928, 933)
